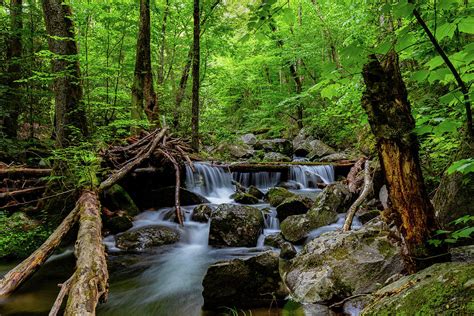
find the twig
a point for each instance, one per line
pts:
(347, 299)
(59, 300)
(353, 209)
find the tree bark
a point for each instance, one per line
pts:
(89, 283)
(363, 195)
(69, 110)
(13, 279)
(386, 104)
(144, 103)
(14, 49)
(196, 79)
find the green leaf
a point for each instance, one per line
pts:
(467, 25)
(445, 30)
(463, 233)
(435, 62)
(464, 166)
(330, 91)
(420, 75)
(288, 16)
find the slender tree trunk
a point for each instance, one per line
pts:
(385, 101)
(196, 78)
(14, 50)
(69, 110)
(143, 94)
(187, 66)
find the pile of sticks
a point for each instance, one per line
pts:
(89, 283)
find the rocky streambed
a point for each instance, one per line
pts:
(254, 243)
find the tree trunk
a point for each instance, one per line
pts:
(182, 88)
(89, 283)
(144, 103)
(14, 49)
(196, 79)
(299, 89)
(386, 104)
(69, 111)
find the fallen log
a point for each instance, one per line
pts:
(363, 195)
(89, 283)
(15, 277)
(353, 181)
(23, 172)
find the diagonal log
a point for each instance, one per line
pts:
(13, 279)
(122, 172)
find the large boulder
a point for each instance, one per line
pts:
(165, 197)
(245, 198)
(275, 196)
(249, 139)
(249, 283)
(253, 190)
(240, 151)
(118, 224)
(116, 198)
(296, 228)
(146, 237)
(294, 205)
(319, 149)
(441, 289)
(201, 213)
(278, 145)
(334, 199)
(276, 157)
(235, 226)
(338, 264)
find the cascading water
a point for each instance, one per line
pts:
(213, 182)
(262, 180)
(310, 176)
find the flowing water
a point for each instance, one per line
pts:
(168, 280)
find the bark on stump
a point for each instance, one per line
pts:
(386, 104)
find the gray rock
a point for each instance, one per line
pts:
(249, 139)
(294, 205)
(341, 264)
(278, 145)
(441, 289)
(235, 226)
(249, 283)
(334, 157)
(462, 254)
(276, 157)
(289, 185)
(319, 149)
(240, 151)
(245, 198)
(146, 237)
(274, 240)
(334, 199)
(288, 251)
(201, 213)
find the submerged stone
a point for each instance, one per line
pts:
(146, 237)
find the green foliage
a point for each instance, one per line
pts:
(453, 237)
(20, 236)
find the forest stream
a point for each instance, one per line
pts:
(168, 279)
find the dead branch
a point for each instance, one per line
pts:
(13, 279)
(363, 195)
(59, 300)
(23, 172)
(177, 202)
(19, 193)
(115, 177)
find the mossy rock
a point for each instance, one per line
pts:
(116, 198)
(245, 198)
(253, 190)
(275, 196)
(146, 237)
(235, 226)
(441, 289)
(295, 228)
(202, 213)
(294, 205)
(118, 224)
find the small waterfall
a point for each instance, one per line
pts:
(261, 179)
(213, 182)
(309, 176)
